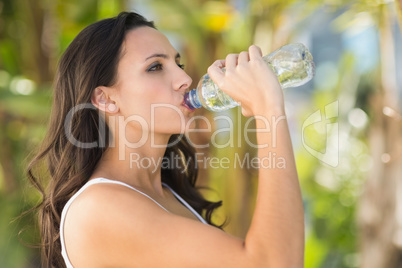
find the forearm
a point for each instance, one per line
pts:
(276, 233)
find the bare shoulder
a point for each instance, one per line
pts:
(100, 215)
(109, 203)
(111, 225)
(102, 197)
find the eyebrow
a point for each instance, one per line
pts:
(164, 56)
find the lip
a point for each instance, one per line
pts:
(183, 103)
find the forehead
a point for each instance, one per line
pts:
(144, 41)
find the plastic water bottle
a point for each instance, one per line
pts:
(292, 64)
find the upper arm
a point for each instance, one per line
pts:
(127, 229)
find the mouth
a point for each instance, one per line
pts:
(185, 105)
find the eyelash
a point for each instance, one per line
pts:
(158, 67)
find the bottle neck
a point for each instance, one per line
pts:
(191, 99)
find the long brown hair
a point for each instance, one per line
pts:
(90, 61)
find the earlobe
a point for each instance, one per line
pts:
(101, 101)
(112, 108)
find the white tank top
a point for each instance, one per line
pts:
(103, 180)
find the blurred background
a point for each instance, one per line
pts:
(346, 124)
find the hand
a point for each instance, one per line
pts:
(249, 81)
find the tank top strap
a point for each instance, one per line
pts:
(185, 203)
(104, 180)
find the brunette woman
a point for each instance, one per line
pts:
(118, 97)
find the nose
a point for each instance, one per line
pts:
(183, 81)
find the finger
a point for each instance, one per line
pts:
(215, 71)
(243, 57)
(255, 52)
(219, 64)
(231, 60)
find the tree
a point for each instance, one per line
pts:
(380, 206)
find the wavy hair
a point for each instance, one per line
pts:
(90, 61)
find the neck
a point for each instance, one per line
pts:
(135, 163)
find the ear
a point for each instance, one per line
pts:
(101, 100)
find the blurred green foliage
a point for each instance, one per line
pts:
(33, 34)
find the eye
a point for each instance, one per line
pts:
(155, 67)
(181, 66)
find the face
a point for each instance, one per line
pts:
(151, 83)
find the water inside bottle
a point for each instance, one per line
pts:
(214, 98)
(293, 65)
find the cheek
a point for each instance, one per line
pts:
(152, 91)
(135, 98)
(151, 98)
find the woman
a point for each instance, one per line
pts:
(118, 98)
